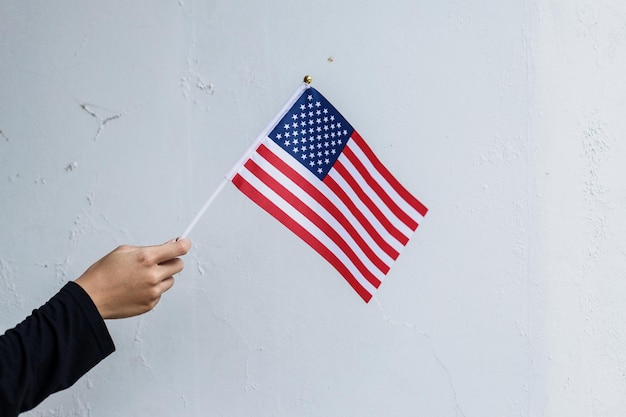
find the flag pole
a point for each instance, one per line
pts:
(204, 208)
(306, 82)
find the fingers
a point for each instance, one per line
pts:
(166, 284)
(170, 250)
(171, 267)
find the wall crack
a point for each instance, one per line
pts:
(431, 341)
(101, 121)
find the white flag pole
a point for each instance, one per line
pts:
(204, 208)
(246, 155)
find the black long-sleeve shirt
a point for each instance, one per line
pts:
(51, 349)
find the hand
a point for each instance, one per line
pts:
(130, 280)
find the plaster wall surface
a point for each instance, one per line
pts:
(118, 119)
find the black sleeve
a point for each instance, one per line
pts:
(51, 349)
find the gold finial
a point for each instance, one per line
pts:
(308, 79)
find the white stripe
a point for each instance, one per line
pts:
(326, 191)
(380, 204)
(378, 177)
(308, 225)
(319, 210)
(341, 182)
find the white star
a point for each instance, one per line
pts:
(332, 134)
(311, 147)
(287, 143)
(287, 126)
(317, 104)
(309, 97)
(326, 144)
(303, 148)
(325, 111)
(332, 118)
(302, 115)
(302, 107)
(326, 137)
(332, 125)
(295, 125)
(327, 161)
(339, 141)
(311, 156)
(295, 141)
(333, 151)
(318, 112)
(311, 164)
(320, 170)
(279, 136)
(295, 133)
(287, 134)
(333, 143)
(303, 157)
(296, 150)
(294, 116)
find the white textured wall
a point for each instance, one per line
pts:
(578, 295)
(118, 119)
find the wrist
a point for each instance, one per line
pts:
(93, 294)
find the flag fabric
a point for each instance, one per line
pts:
(313, 172)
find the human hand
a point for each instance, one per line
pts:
(130, 280)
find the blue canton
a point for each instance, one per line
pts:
(313, 132)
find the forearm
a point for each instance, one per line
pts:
(51, 349)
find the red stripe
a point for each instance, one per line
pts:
(389, 202)
(324, 201)
(315, 218)
(413, 202)
(301, 232)
(341, 194)
(347, 176)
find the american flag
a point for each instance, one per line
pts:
(315, 174)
